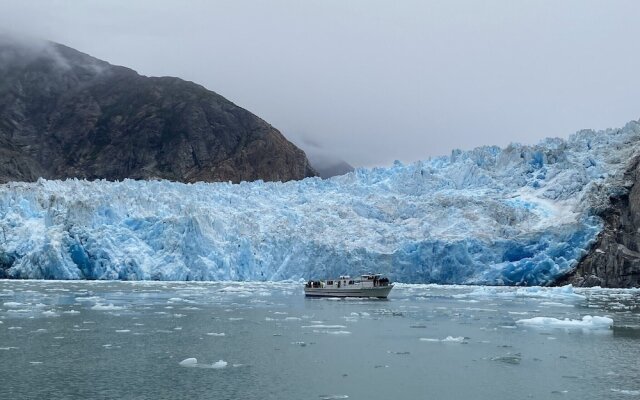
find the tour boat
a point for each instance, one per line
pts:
(369, 285)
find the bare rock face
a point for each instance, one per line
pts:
(65, 114)
(614, 261)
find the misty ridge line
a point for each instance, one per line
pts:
(68, 114)
(21, 50)
(25, 49)
(372, 82)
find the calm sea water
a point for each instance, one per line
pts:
(122, 340)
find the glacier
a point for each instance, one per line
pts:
(519, 215)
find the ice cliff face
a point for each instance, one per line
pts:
(519, 215)
(614, 261)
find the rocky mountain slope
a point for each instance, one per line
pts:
(329, 170)
(65, 114)
(614, 260)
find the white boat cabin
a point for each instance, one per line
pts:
(345, 281)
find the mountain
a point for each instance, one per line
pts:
(614, 260)
(65, 114)
(331, 170)
(520, 215)
(325, 161)
(328, 168)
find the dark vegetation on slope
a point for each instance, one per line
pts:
(66, 114)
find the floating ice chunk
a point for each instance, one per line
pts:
(563, 292)
(627, 392)
(332, 332)
(20, 310)
(49, 313)
(193, 363)
(219, 364)
(320, 326)
(235, 290)
(587, 322)
(448, 339)
(457, 339)
(107, 307)
(189, 362)
(555, 304)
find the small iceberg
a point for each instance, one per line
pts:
(587, 322)
(193, 363)
(106, 307)
(219, 364)
(189, 362)
(448, 339)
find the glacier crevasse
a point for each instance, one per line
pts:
(520, 215)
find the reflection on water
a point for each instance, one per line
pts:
(159, 340)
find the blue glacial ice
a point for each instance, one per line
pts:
(522, 215)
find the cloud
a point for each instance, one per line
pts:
(373, 81)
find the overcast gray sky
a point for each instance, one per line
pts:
(374, 81)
